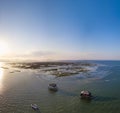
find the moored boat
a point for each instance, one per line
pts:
(85, 94)
(34, 106)
(52, 87)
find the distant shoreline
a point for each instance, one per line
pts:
(33, 61)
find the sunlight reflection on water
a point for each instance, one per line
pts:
(1, 77)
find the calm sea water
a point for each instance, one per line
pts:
(19, 89)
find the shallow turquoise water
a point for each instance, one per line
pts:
(18, 90)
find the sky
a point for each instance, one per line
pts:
(46, 30)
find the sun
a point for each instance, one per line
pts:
(4, 49)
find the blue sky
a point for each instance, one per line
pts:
(61, 29)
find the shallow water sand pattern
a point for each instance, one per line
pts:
(58, 69)
(19, 89)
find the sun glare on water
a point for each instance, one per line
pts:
(1, 78)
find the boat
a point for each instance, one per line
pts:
(52, 87)
(85, 94)
(34, 106)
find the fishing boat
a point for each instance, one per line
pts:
(34, 106)
(52, 87)
(85, 94)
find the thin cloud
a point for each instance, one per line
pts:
(42, 53)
